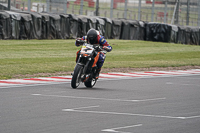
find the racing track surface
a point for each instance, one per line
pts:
(165, 104)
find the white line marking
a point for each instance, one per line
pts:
(126, 114)
(36, 94)
(80, 108)
(114, 129)
(106, 99)
(109, 130)
(191, 117)
(154, 99)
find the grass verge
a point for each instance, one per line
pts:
(29, 57)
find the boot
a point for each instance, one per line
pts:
(97, 73)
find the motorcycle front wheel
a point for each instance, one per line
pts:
(76, 79)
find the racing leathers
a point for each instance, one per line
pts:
(102, 42)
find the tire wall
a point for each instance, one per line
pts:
(32, 25)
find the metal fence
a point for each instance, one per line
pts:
(180, 12)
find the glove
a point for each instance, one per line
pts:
(106, 48)
(79, 42)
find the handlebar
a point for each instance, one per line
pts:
(81, 42)
(97, 48)
(100, 48)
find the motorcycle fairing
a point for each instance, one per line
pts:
(96, 59)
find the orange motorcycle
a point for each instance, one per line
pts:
(86, 65)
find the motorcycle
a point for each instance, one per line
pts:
(86, 65)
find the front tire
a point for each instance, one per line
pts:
(76, 79)
(90, 83)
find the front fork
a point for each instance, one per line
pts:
(84, 77)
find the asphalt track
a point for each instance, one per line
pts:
(168, 104)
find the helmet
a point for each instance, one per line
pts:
(92, 36)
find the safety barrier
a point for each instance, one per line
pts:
(33, 25)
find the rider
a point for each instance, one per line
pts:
(94, 37)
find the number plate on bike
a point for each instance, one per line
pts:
(86, 49)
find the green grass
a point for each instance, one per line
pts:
(152, 54)
(28, 57)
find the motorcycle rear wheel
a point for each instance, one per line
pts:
(90, 83)
(76, 79)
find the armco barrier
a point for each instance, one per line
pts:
(32, 25)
